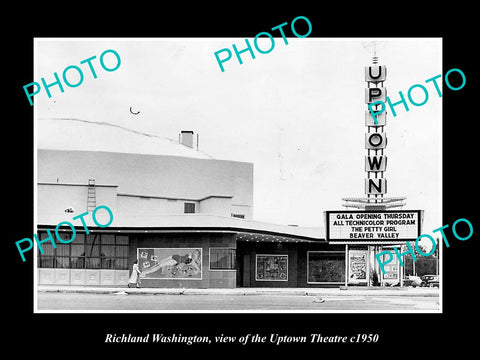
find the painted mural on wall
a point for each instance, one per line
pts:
(170, 263)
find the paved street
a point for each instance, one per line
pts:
(131, 302)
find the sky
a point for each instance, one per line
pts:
(296, 113)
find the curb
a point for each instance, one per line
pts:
(324, 292)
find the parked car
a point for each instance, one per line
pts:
(430, 280)
(412, 280)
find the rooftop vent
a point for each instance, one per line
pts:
(186, 138)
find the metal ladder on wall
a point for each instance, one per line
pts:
(91, 197)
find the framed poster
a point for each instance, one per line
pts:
(271, 267)
(357, 266)
(170, 263)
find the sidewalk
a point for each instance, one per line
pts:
(341, 291)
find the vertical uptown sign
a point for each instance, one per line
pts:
(375, 143)
(375, 137)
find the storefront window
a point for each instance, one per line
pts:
(94, 251)
(325, 267)
(271, 268)
(222, 259)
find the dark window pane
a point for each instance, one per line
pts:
(77, 250)
(108, 251)
(47, 246)
(63, 249)
(189, 208)
(121, 251)
(79, 239)
(45, 261)
(78, 263)
(93, 239)
(122, 239)
(108, 263)
(92, 250)
(62, 262)
(108, 239)
(222, 259)
(64, 235)
(121, 264)
(93, 263)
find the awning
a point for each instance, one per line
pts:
(246, 230)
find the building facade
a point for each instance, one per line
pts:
(186, 217)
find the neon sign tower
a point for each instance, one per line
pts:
(375, 144)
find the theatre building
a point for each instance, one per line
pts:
(185, 216)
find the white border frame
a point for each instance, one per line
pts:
(221, 247)
(323, 282)
(256, 263)
(179, 248)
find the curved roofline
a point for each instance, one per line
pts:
(104, 123)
